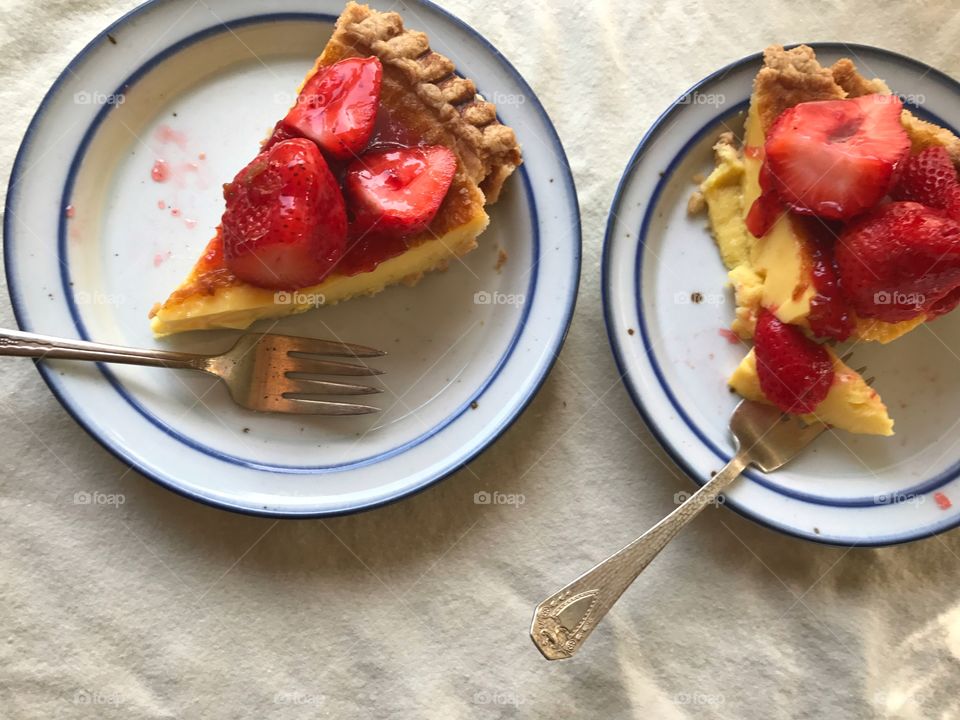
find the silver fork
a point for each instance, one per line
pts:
(267, 373)
(763, 436)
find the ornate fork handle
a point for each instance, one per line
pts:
(564, 620)
(24, 344)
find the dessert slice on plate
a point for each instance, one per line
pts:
(838, 217)
(379, 173)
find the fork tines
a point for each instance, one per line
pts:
(305, 360)
(329, 348)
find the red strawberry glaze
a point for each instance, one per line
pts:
(366, 251)
(729, 335)
(767, 208)
(830, 315)
(166, 134)
(160, 172)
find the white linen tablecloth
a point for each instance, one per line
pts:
(164, 608)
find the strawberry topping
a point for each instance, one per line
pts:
(795, 373)
(766, 208)
(830, 314)
(285, 225)
(930, 178)
(337, 107)
(899, 261)
(836, 158)
(926, 178)
(398, 191)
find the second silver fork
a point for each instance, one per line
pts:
(263, 372)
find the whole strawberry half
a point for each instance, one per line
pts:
(930, 178)
(899, 261)
(836, 158)
(795, 372)
(926, 178)
(398, 191)
(337, 107)
(285, 225)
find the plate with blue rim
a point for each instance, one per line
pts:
(92, 241)
(667, 305)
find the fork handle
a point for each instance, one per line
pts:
(24, 344)
(563, 621)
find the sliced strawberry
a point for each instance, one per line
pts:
(285, 225)
(397, 191)
(899, 261)
(337, 108)
(836, 158)
(926, 178)
(795, 372)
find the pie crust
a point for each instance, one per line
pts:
(431, 98)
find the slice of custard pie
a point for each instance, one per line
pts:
(837, 215)
(379, 173)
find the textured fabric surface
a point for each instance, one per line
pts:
(162, 608)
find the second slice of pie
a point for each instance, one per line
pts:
(823, 217)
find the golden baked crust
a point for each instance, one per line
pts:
(790, 77)
(488, 150)
(853, 83)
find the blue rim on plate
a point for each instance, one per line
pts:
(636, 396)
(157, 475)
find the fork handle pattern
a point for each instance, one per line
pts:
(24, 344)
(562, 622)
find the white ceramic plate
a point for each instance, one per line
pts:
(846, 489)
(197, 85)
